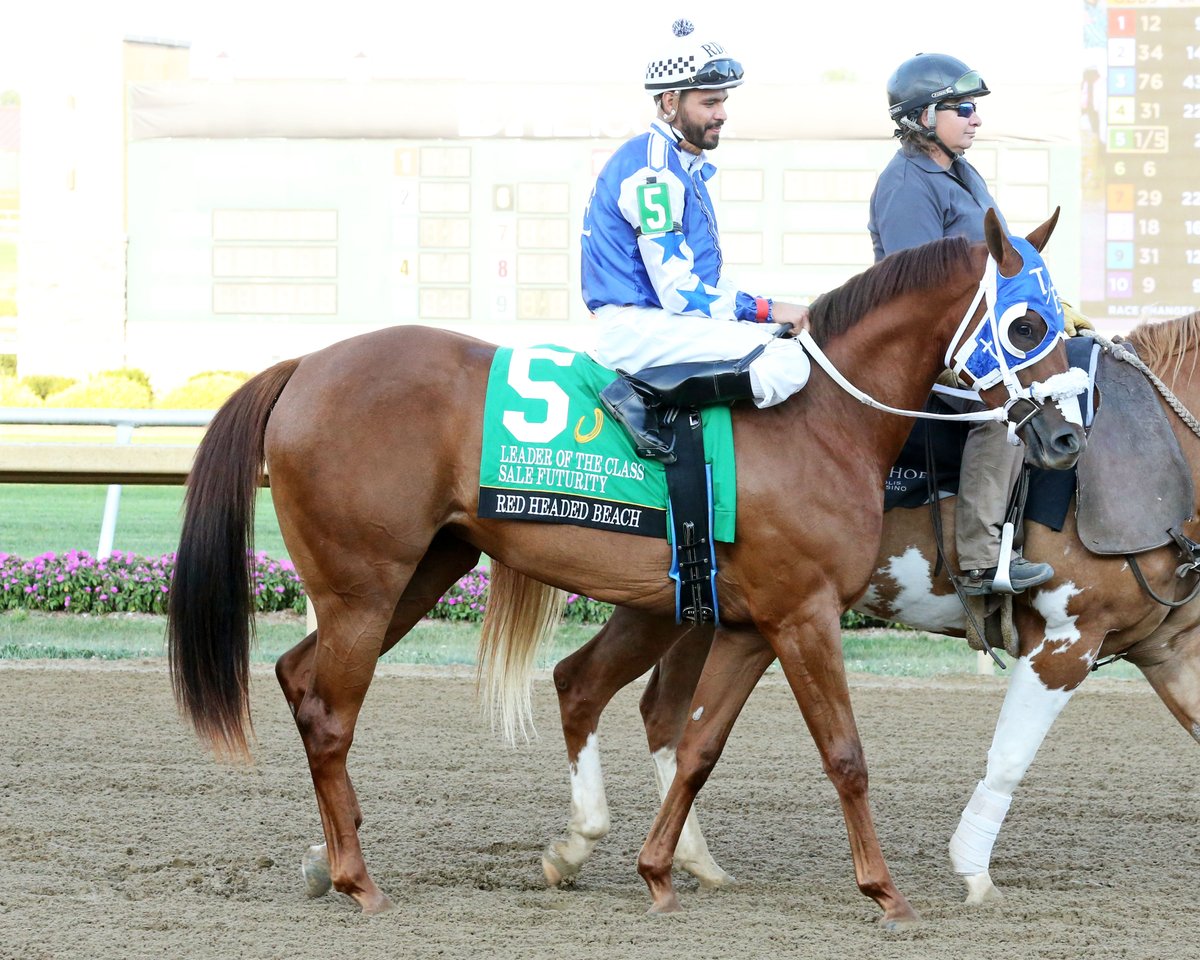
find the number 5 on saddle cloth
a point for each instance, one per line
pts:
(552, 452)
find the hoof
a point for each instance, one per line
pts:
(555, 868)
(896, 924)
(901, 917)
(378, 906)
(314, 868)
(668, 904)
(712, 877)
(980, 890)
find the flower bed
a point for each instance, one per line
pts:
(77, 582)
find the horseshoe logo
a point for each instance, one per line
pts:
(580, 436)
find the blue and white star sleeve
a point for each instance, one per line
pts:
(652, 201)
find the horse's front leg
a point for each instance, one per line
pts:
(735, 662)
(1057, 654)
(664, 707)
(810, 652)
(625, 648)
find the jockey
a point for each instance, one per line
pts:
(928, 191)
(652, 267)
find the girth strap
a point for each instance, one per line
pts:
(689, 523)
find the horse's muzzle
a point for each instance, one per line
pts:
(1052, 446)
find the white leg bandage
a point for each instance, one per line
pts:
(971, 845)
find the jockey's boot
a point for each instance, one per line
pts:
(651, 438)
(1022, 574)
(634, 400)
(696, 384)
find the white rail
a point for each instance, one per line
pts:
(118, 463)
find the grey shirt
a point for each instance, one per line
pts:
(915, 201)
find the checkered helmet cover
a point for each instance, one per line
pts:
(682, 67)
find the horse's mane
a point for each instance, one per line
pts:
(902, 272)
(1159, 341)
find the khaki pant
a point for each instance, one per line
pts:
(991, 467)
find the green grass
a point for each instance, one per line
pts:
(38, 518)
(26, 636)
(35, 518)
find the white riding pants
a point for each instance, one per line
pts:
(633, 338)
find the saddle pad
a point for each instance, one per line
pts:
(1134, 483)
(551, 454)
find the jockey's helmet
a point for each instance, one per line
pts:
(928, 79)
(688, 63)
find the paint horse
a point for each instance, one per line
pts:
(1094, 609)
(373, 445)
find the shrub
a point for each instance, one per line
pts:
(240, 375)
(76, 582)
(203, 392)
(103, 391)
(8, 364)
(13, 393)
(130, 373)
(44, 384)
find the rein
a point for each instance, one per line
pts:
(818, 355)
(1056, 387)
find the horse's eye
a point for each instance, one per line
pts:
(1023, 329)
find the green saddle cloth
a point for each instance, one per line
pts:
(551, 454)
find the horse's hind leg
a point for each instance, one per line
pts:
(734, 664)
(625, 648)
(446, 560)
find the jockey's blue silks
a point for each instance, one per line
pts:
(987, 355)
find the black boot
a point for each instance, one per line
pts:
(652, 439)
(634, 400)
(696, 384)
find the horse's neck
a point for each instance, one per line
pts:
(896, 352)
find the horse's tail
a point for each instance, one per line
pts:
(521, 614)
(210, 608)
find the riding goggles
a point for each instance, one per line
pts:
(970, 84)
(723, 71)
(964, 110)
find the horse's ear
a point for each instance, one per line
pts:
(1038, 238)
(1003, 252)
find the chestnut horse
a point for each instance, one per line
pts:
(1092, 610)
(372, 446)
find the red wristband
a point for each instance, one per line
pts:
(762, 309)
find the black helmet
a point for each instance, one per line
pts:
(930, 78)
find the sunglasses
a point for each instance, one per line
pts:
(964, 110)
(719, 71)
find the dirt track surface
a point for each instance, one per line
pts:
(119, 838)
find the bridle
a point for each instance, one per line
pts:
(1023, 404)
